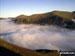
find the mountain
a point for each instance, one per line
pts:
(60, 18)
(7, 49)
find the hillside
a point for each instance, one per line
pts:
(54, 17)
(7, 49)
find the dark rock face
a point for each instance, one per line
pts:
(73, 12)
(56, 18)
(70, 24)
(6, 52)
(44, 51)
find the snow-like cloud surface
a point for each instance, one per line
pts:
(37, 37)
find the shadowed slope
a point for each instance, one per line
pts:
(7, 52)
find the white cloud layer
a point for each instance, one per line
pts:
(37, 37)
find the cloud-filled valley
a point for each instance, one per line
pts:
(34, 36)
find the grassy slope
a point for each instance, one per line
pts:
(16, 50)
(67, 15)
(59, 18)
(36, 17)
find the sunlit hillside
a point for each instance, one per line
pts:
(54, 18)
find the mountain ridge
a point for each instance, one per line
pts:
(54, 17)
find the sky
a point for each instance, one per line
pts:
(13, 8)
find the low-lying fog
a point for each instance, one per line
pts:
(36, 36)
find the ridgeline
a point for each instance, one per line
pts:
(60, 18)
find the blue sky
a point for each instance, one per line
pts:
(13, 8)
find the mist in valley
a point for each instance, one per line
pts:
(34, 36)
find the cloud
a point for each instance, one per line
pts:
(37, 36)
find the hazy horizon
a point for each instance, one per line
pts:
(13, 8)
